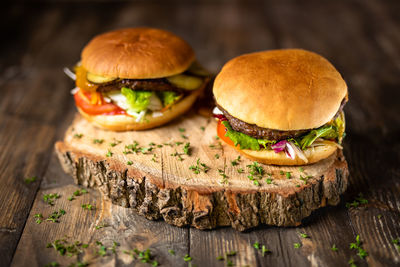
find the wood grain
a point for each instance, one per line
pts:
(361, 38)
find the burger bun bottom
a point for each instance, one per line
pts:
(313, 155)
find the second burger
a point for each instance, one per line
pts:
(136, 79)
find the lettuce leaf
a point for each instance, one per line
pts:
(245, 141)
(136, 100)
(168, 97)
(326, 132)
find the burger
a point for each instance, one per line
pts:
(281, 107)
(136, 79)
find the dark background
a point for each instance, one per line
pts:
(361, 38)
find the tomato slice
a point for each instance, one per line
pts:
(221, 130)
(83, 101)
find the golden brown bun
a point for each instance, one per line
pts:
(270, 157)
(288, 89)
(137, 53)
(127, 123)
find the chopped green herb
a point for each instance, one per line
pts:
(176, 154)
(178, 143)
(114, 247)
(63, 247)
(102, 249)
(154, 158)
(297, 245)
(379, 216)
(199, 167)
(304, 235)
(187, 258)
(396, 242)
(334, 248)
(98, 141)
(50, 198)
(171, 251)
(87, 206)
(220, 258)
(268, 181)
(55, 216)
(182, 130)
(256, 173)
(203, 128)
(223, 175)
(359, 200)
(39, 218)
(282, 172)
(52, 264)
(109, 154)
(186, 149)
(256, 245)
(301, 169)
(288, 175)
(229, 263)
(264, 250)
(352, 263)
(305, 179)
(235, 161)
(78, 136)
(240, 170)
(30, 180)
(129, 162)
(184, 136)
(216, 156)
(77, 193)
(231, 253)
(357, 246)
(100, 226)
(115, 143)
(216, 137)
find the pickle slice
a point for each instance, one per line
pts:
(185, 81)
(198, 70)
(94, 78)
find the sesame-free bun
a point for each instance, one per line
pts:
(137, 53)
(127, 123)
(289, 89)
(313, 155)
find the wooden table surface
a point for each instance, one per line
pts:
(361, 38)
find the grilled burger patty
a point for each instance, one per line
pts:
(265, 133)
(142, 84)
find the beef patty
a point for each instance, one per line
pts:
(161, 84)
(265, 133)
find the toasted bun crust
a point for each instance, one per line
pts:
(127, 123)
(137, 53)
(288, 89)
(270, 157)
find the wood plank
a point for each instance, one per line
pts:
(25, 147)
(123, 226)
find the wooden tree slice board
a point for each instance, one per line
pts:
(163, 187)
